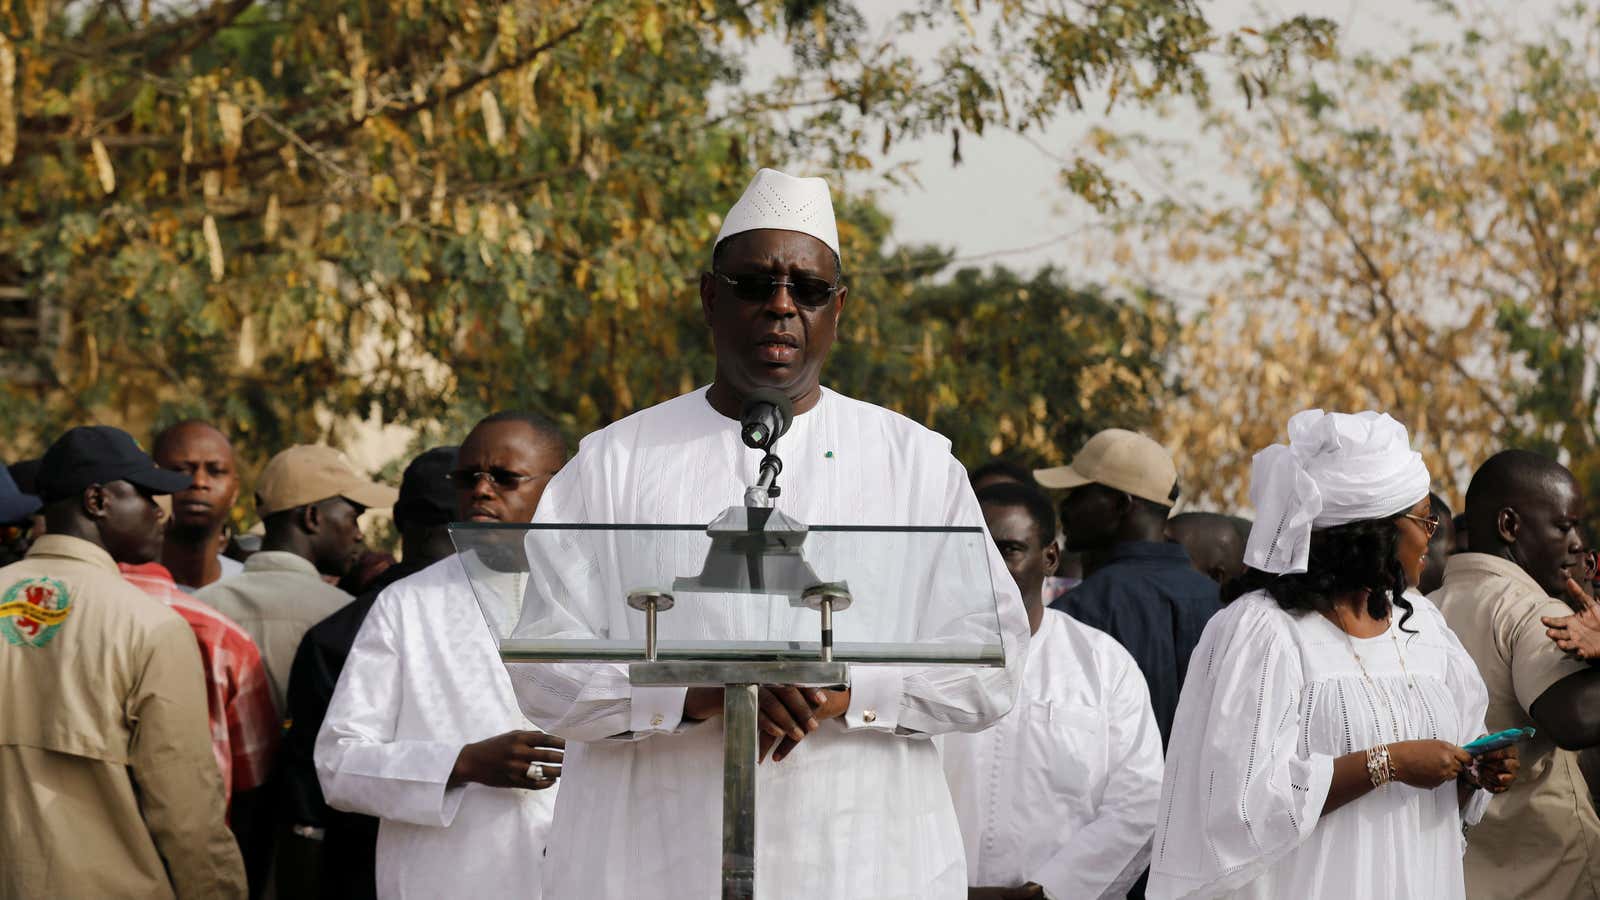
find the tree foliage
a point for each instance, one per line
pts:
(1418, 236)
(280, 214)
(1031, 367)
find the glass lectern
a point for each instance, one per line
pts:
(752, 598)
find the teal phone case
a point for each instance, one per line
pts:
(1497, 740)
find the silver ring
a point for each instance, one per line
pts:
(536, 771)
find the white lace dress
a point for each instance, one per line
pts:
(1271, 699)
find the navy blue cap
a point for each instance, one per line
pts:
(100, 454)
(427, 497)
(15, 506)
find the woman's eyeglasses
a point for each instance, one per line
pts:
(502, 478)
(1429, 523)
(757, 287)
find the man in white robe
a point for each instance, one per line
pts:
(852, 804)
(423, 731)
(1059, 798)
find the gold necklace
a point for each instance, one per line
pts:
(1394, 721)
(1398, 652)
(1411, 683)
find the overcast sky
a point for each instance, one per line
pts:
(1003, 203)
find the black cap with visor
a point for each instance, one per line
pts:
(427, 496)
(100, 454)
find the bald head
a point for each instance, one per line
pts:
(539, 429)
(1212, 542)
(1001, 471)
(201, 451)
(1511, 479)
(504, 464)
(1526, 507)
(167, 439)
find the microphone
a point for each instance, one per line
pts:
(766, 417)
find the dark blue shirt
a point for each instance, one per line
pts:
(1155, 604)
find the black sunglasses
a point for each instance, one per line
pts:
(757, 287)
(503, 478)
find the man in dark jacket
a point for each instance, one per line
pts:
(1144, 591)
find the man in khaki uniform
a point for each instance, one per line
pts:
(309, 500)
(1541, 838)
(109, 783)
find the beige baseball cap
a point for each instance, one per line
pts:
(308, 473)
(1122, 460)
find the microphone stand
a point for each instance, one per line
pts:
(760, 495)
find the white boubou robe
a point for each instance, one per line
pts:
(1272, 699)
(860, 808)
(1063, 791)
(424, 679)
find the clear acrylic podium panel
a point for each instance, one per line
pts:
(559, 593)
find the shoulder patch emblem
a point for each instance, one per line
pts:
(33, 610)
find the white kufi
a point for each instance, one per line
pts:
(1338, 468)
(784, 202)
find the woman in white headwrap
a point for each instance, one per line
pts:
(1316, 749)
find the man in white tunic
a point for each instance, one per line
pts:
(852, 803)
(423, 730)
(1059, 798)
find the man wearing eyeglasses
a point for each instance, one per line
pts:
(423, 731)
(852, 797)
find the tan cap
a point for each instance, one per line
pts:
(1122, 460)
(307, 473)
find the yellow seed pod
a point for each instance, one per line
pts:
(213, 247)
(102, 166)
(8, 109)
(494, 127)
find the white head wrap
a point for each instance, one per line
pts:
(1338, 468)
(787, 203)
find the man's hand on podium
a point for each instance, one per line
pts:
(702, 703)
(788, 713)
(508, 761)
(817, 705)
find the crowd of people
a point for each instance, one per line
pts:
(1191, 705)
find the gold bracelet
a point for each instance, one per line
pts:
(1380, 769)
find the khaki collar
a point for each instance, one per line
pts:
(280, 561)
(62, 546)
(1475, 566)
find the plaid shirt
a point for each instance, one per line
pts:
(244, 724)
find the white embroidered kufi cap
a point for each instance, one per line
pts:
(786, 203)
(1338, 468)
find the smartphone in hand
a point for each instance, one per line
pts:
(1499, 739)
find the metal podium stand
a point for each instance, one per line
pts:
(769, 590)
(740, 683)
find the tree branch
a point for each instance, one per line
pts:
(410, 109)
(219, 14)
(1380, 291)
